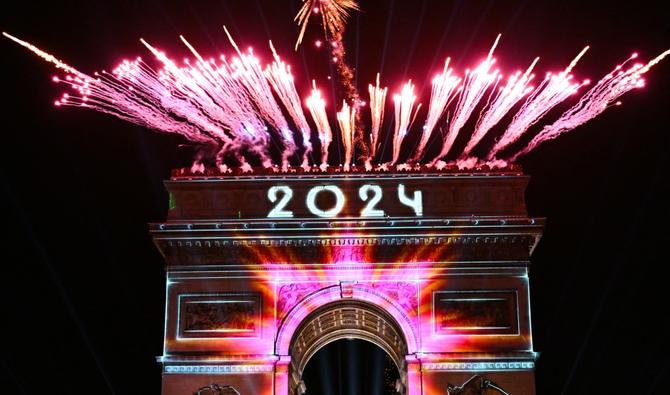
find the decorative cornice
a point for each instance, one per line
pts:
(217, 369)
(478, 366)
(362, 241)
(418, 171)
(451, 225)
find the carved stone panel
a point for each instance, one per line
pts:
(219, 315)
(475, 312)
(289, 295)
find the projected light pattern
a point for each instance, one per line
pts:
(230, 104)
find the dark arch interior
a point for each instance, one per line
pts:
(350, 367)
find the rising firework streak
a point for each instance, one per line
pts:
(334, 15)
(553, 90)
(475, 84)
(280, 77)
(404, 103)
(317, 107)
(595, 101)
(346, 118)
(377, 102)
(229, 103)
(445, 87)
(507, 97)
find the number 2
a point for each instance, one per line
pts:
(278, 211)
(370, 210)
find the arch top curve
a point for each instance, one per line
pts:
(347, 319)
(331, 297)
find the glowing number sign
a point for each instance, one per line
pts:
(370, 193)
(370, 210)
(339, 201)
(278, 211)
(416, 202)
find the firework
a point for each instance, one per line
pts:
(280, 77)
(596, 100)
(317, 107)
(404, 103)
(334, 15)
(249, 72)
(209, 96)
(48, 57)
(475, 84)
(346, 118)
(377, 101)
(445, 87)
(227, 106)
(553, 90)
(516, 88)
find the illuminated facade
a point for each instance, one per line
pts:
(264, 270)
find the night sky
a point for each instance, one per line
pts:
(82, 290)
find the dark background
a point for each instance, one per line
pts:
(82, 287)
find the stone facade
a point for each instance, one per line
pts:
(444, 291)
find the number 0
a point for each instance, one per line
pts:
(331, 213)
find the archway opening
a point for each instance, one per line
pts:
(354, 328)
(351, 367)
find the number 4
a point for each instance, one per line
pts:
(416, 202)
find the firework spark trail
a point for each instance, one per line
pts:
(377, 102)
(595, 101)
(46, 56)
(250, 74)
(334, 15)
(176, 100)
(346, 79)
(507, 97)
(552, 91)
(212, 98)
(346, 118)
(226, 104)
(129, 93)
(475, 84)
(280, 77)
(404, 103)
(445, 88)
(317, 107)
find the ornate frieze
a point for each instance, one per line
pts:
(478, 366)
(216, 369)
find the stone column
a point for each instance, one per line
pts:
(281, 375)
(414, 384)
